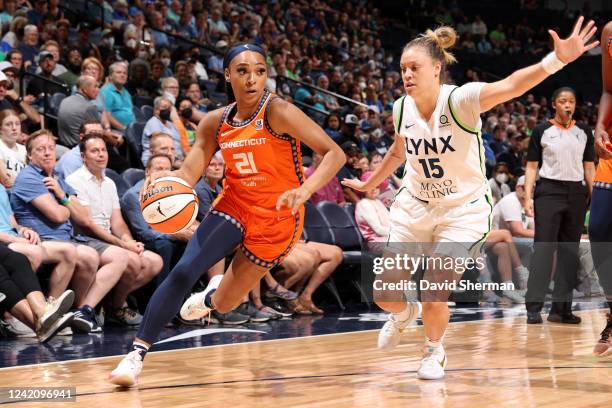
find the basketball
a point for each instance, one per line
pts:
(169, 205)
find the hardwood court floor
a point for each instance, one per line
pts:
(498, 363)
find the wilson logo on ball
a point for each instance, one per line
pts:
(170, 205)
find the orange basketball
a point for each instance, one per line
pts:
(169, 205)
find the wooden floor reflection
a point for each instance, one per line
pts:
(499, 363)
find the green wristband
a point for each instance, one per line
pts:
(65, 201)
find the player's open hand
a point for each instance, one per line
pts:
(602, 141)
(293, 199)
(575, 45)
(355, 184)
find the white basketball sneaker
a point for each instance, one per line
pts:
(127, 372)
(391, 333)
(433, 363)
(194, 307)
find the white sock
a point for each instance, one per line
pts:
(433, 344)
(404, 314)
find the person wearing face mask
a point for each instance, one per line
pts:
(187, 128)
(561, 152)
(499, 182)
(160, 122)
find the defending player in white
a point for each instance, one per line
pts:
(445, 196)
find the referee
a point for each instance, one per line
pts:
(564, 153)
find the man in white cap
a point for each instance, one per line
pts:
(10, 100)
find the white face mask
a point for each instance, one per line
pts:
(165, 61)
(143, 54)
(110, 41)
(501, 178)
(131, 43)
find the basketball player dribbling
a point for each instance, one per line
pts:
(600, 220)
(260, 209)
(438, 137)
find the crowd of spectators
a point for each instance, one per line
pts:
(117, 74)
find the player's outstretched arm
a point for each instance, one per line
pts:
(285, 118)
(519, 82)
(604, 116)
(392, 160)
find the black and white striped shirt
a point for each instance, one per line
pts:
(560, 151)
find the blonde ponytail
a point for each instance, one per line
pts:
(436, 42)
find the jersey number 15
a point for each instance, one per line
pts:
(431, 168)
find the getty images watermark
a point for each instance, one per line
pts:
(412, 264)
(434, 270)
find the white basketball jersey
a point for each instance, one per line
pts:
(445, 156)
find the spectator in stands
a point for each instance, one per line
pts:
(35, 15)
(498, 38)
(479, 27)
(12, 154)
(138, 75)
(499, 144)
(215, 61)
(515, 156)
(194, 94)
(217, 27)
(71, 161)
(44, 202)
(500, 244)
(348, 129)
(160, 39)
(160, 122)
(332, 126)
(12, 75)
(162, 143)
(38, 86)
(27, 242)
(15, 36)
(10, 100)
(372, 215)
(499, 181)
(117, 100)
(187, 131)
(29, 46)
(10, 6)
(15, 57)
(306, 267)
(352, 152)
(74, 59)
(76, 109)
(170, 89)
(93, 67)
(484, 46)
(509, 214)
(53, 47)
(332, 191)
(378, 141)
(208, 188)
(113, 240)
(372, 99)
(23, 297)
(328, 102)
